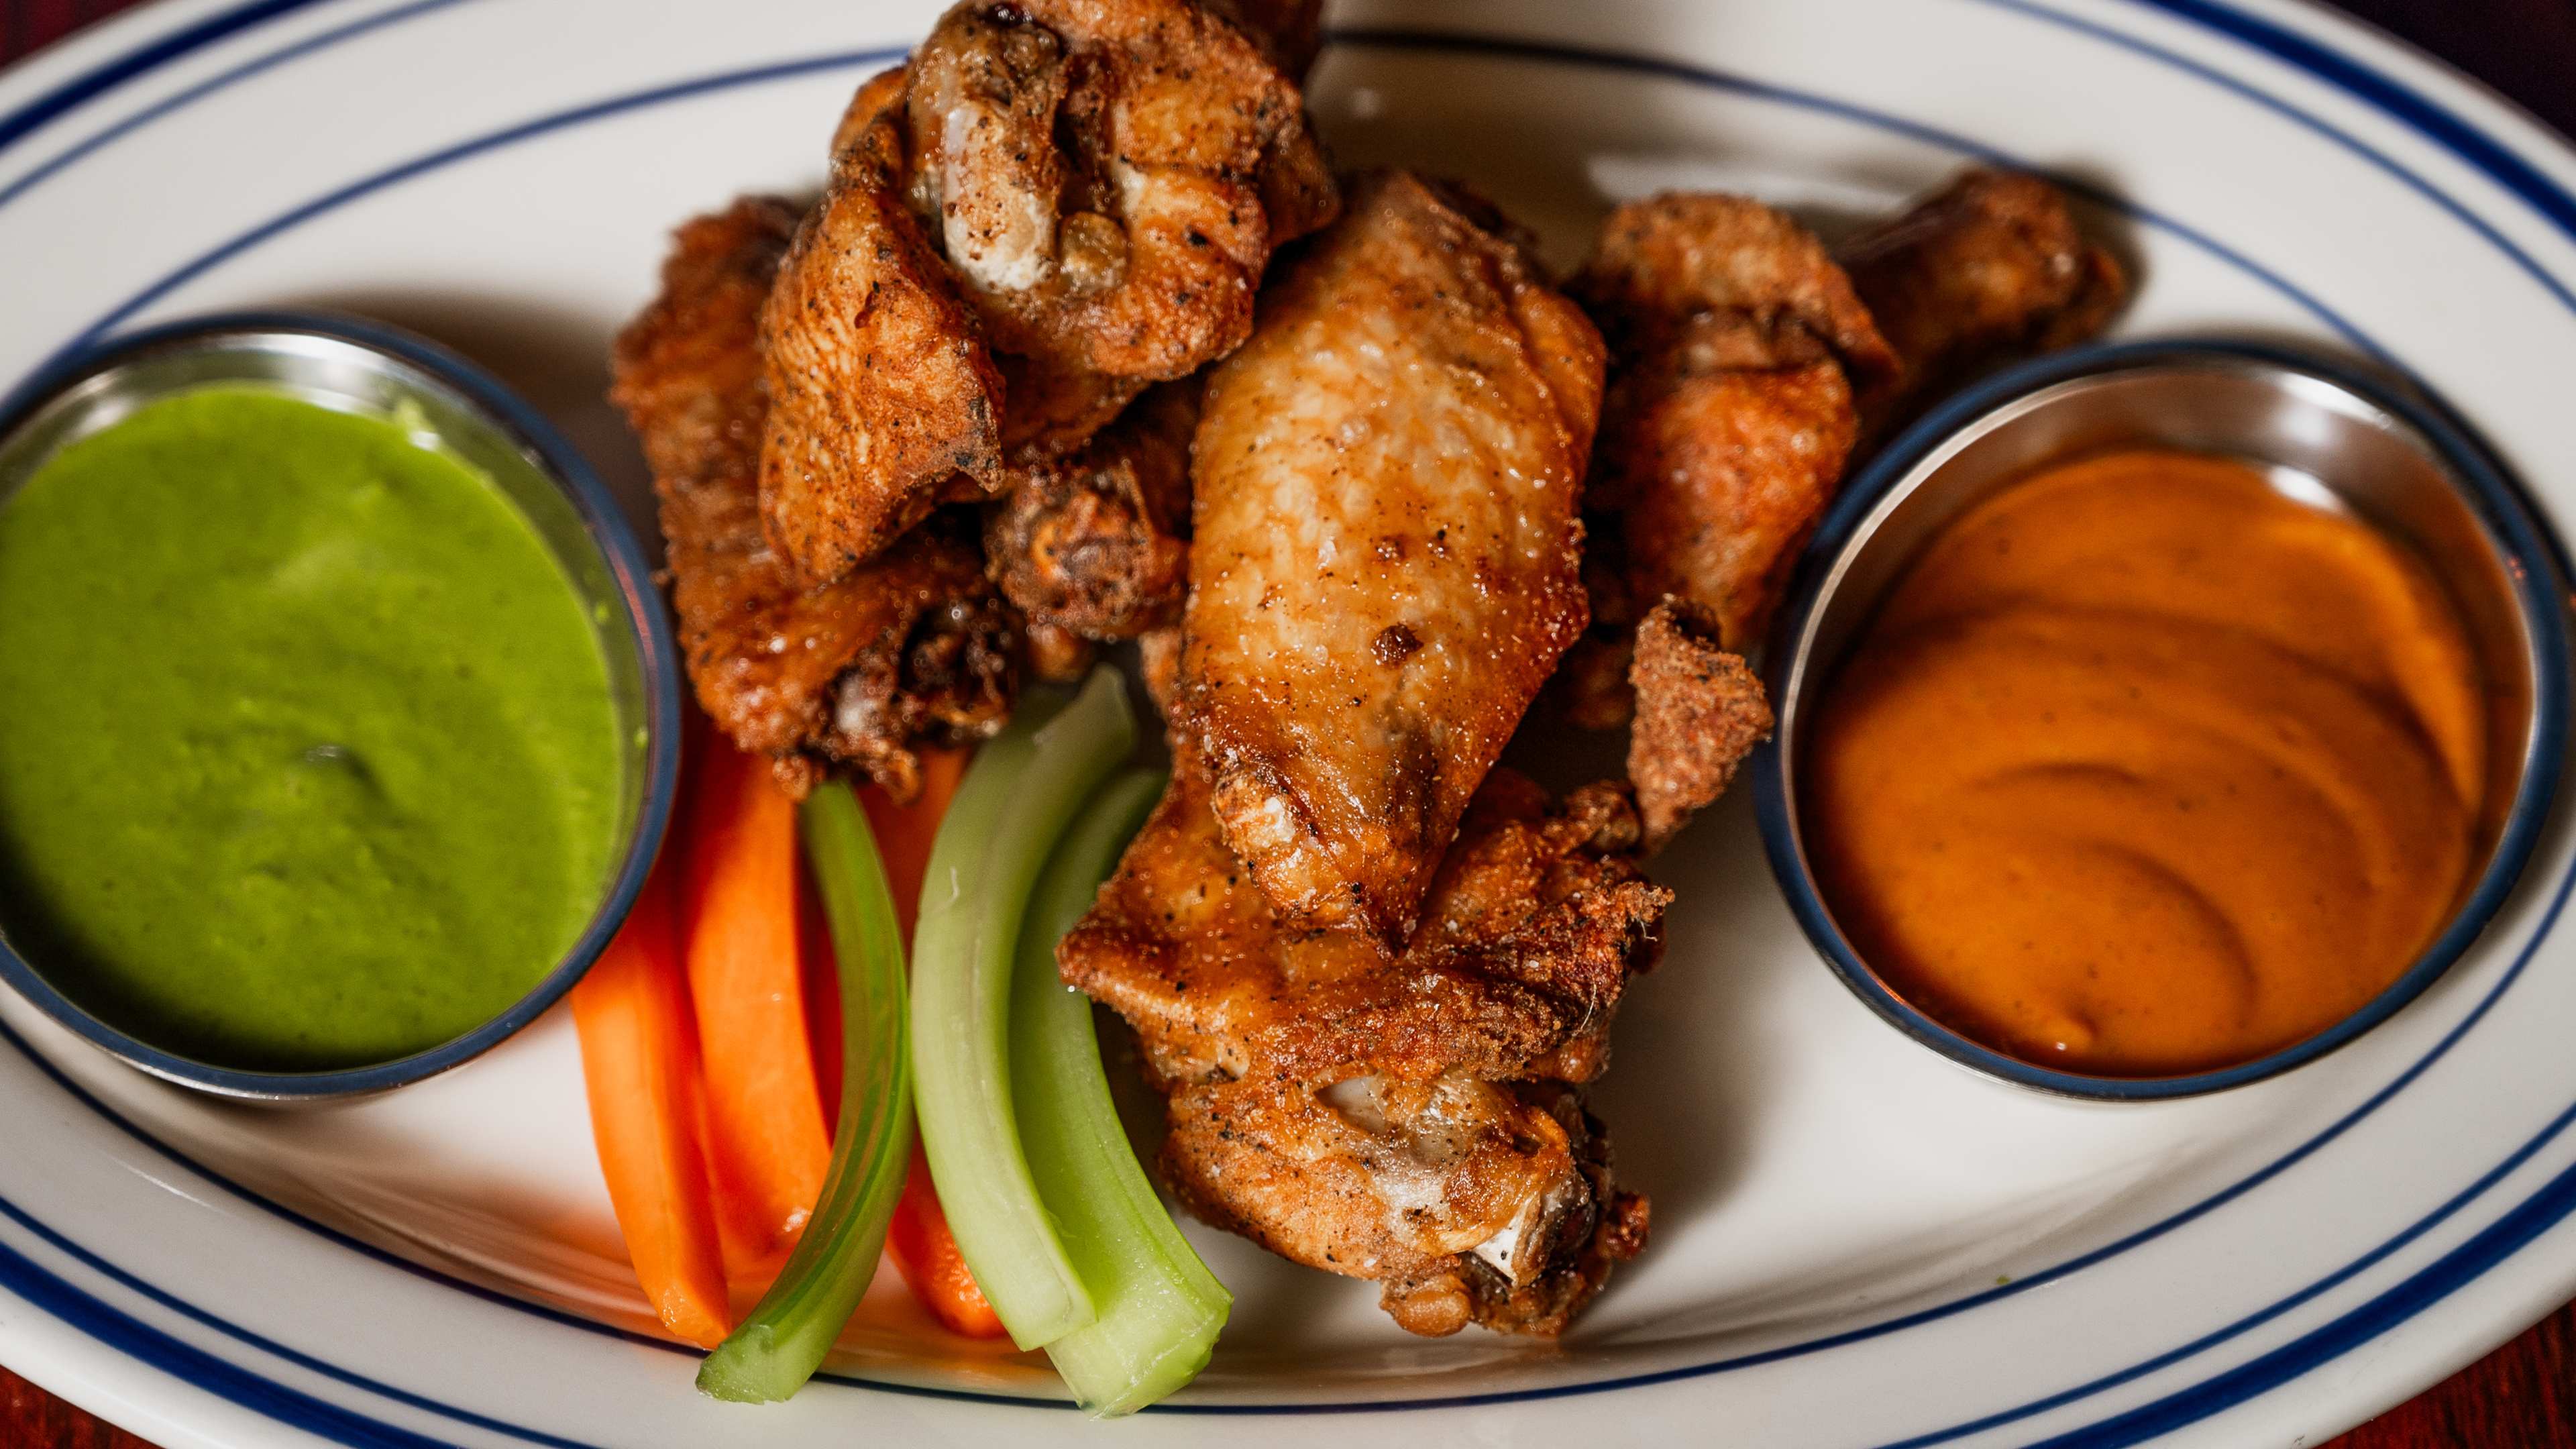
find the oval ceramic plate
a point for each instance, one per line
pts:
(1855, 1243)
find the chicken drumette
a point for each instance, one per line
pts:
(1749, 365)
(1381, 1076)
(1053, 205)
(1385, 561)
(913, 646)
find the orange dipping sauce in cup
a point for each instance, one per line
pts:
(2147, 768)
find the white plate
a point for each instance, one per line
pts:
(1855, 1244)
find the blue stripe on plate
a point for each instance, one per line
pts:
(89, 85)
(100, 1265)
(222, 80)
(2392, 98)
(1637, 63)
(2527, 183)
(2536, 1214)
(192, 1365)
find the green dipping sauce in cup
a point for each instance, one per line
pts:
(308, 758)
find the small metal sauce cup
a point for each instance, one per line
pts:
(362, 367)
(2398, 463)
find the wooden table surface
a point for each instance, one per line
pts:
(2522, 1396)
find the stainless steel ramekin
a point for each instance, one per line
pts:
(363, 367)
(2396, 460)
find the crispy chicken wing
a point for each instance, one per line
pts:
(1737, 345)
(1467, 1201)
(881, 390)
(1988, 269)
(1700, 711)
(1097, 544)
(1402, 1116)
(1049, 411)
(1054, 203)
(1385, 560)
(912, 645)
(1746, 370)
(1109, 177)
(1050, 405)
(1527, 940)
(1676, 267)
(875, 96)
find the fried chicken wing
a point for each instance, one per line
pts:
(1097, 544)
(1158, 663)
(1402, 1116)
(1700, 711)
(1737, 345)
(1676, 267)
(1109, 177)
(913, 645)
(1990, 268)
(881, 390)
(875, 96)
(1747, 368)
(1467, 1201)
(1049, 410)
(1385, 556)
(1530, 933)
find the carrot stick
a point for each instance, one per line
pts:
(768, 1149)
(639, 1059)
(918, 1240)
(926, 1254)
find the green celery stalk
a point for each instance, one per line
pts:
(777, 1348)
(1014, 802)
(1160, 1308)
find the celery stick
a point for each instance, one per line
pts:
(778, 1347)
(1015, 800)
(1160, 1308)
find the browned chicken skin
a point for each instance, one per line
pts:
(1050, 411)
(1467, 1201)
(913, 646)
(881, 389)
(1413, 1116)
(1700, 711)
(1385, 557)
(1109, 177)
(1404, 1116)
(1054, 203)
(1746, 371)
(1186, 948)
(1379, 1075)
(1736, 342)
(1370, 973)
(1988, 269)
(1097, 544)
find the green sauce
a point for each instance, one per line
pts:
(307, 753)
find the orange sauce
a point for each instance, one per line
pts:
(2147, 768)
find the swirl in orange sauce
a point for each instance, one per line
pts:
(2147, 768)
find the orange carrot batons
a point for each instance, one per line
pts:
(768, 1148)
(639, 1060)
(925, 1253)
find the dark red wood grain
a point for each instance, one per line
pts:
(2522, 1396)
(30, 1418)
